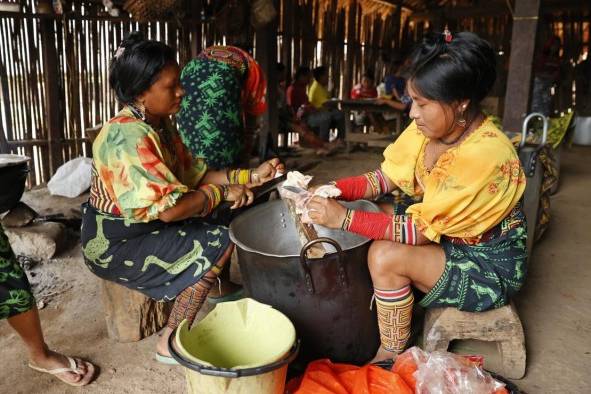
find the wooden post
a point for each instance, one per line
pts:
(286, 38)
(350, 60)
(266, 56)
(523, 41)
(196, 33)
(53, 108)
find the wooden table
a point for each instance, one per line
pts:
(368, 105)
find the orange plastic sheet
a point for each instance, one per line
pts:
(324, 377)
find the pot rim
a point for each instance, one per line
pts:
(9, 160)
(242, 246)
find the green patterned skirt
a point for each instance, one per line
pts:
(157, 259)
(15, 292)
(483, 276)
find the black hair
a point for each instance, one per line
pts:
(280, 67)
(451, 71)
(136, 65)
(318, 72)
(369, 75)
(301, 71)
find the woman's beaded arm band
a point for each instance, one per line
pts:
(241, 176)
(355, 188)
(379, 225)
(214, 195)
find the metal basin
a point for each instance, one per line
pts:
(327, 299)
(13, 174)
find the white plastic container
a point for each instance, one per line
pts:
(582, 134)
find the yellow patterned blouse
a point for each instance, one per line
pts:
(139, 172)
(471, 188)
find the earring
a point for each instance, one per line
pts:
(139, 110)
(462, 121)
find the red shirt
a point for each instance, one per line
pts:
(359, 92)
(297, 96)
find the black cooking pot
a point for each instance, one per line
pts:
(13, 176)
(327, 299)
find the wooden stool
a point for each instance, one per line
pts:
(502, 325)
(130, 315)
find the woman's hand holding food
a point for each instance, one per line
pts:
(240, 195)
(266, 172)
(326, 211)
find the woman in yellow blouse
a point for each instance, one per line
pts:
(143, 226)
(462, 240)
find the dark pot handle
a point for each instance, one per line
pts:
(231, 373)
(306, 270)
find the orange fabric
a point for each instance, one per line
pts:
(325, 377)
(405, 366)
(254, 90)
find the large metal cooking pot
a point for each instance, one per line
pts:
(13, 175)
(327, 299)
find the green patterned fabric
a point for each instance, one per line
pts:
(15, 292)
(485, 275)
(209, 121)
(157, 259)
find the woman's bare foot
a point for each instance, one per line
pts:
(162, 345)
(383, 355)
(52, 360)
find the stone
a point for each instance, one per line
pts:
(27, 263)
(502, 325)
(39, 241)
(19, 216)
(47, 205)
(130, 315)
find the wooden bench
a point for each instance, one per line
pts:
(130, 315)
(502, 325)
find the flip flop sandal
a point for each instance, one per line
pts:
(166, 360)
(74, 368)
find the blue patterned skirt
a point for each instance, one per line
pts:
(157, 259)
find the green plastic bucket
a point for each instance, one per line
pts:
(240, 347)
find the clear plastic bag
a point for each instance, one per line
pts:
(445, 373)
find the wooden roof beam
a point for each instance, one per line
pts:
(497, 9)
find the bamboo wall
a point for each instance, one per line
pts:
(54, 70)
(82, 47)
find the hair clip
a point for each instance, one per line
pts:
(447, 34)
(119, 52)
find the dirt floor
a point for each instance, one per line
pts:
(555, 305)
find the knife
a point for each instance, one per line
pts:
(294, 189)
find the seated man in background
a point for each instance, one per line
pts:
(288, 121)
(323, 117)
(363, 91)
(392, 91)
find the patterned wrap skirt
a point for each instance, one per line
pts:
(157, 259)
(16, 296)
(484, 275)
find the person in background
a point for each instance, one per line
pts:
(225, 93)
(362, 91)
(323, 116)
(393, 90)
(17, 304)
(546, 76)
(288, 120)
